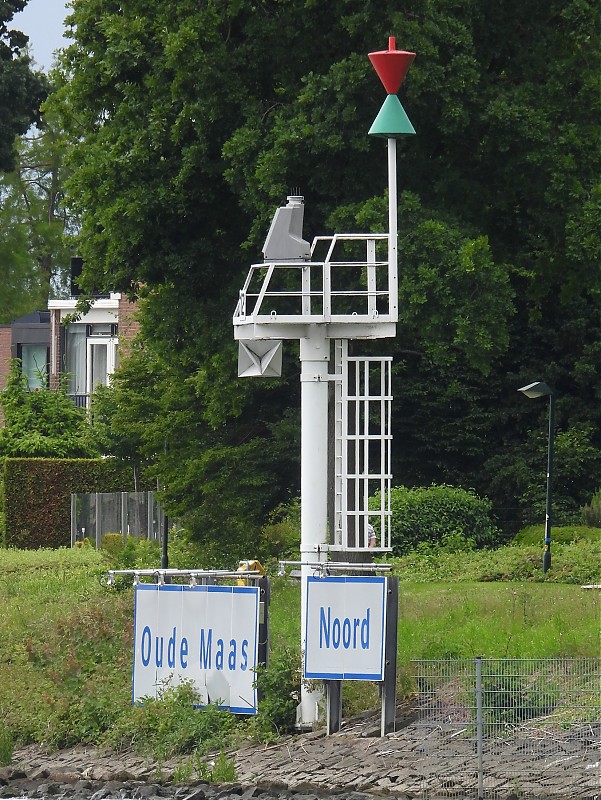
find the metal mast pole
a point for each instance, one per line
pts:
(393, 291)
(314, 357)
(547, 550)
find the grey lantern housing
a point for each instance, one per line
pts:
(285, 241)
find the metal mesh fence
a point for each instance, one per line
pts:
(128, 513)
(509, 728)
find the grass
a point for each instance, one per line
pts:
(66, 644)
(576, 562)
(513, 620)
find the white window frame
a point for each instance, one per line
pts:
(111, 343)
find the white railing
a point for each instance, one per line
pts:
(339, 290)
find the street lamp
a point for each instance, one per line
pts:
(540, 389)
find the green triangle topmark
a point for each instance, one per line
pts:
(392, 121)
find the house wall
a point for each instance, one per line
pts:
(5, 356)
(56, 342)
(5, 353)
(128, 325)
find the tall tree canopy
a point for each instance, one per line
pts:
(22, 89)
(191, 122)
(35, 229)
(30, 230)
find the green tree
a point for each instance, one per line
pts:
(35, 227)
(22, 89)
(22, 288)
(190, 124)
(42, 423)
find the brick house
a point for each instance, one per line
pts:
(87, 350)
(27, 338)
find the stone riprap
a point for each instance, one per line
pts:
(413, 762)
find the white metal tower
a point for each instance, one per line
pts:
(338, 288)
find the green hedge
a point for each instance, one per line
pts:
(441, 516)
(37, 495)
(564, 534)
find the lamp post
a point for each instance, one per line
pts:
(540, 389)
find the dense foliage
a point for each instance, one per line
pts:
(442, 516)
(189, 125)
(22, 89)
(35, 242)
(31, 222)
(43, 423)
(36, 496)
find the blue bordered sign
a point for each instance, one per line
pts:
(207, 635)
(345, 624)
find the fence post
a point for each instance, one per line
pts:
(73, 519)
(149, 514)
(479, 731)
(98, 521)
(388, 715)
(333, 706)
(124, 516)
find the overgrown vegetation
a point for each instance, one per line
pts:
(170, 724)
(43, 423)
(440, 515)
(578, 562)
(70, 638)
(36, 495)
(591, 512)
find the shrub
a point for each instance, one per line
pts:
(172, 724)
(566, 534)
(37, 495)
(440, 515)
(278, 687)
(280, 537)
(591, 514)
(131, 552)
(218, 770)
(44, 423)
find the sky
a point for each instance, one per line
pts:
(42, 21)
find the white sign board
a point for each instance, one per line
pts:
(207, 635)
(345, 624)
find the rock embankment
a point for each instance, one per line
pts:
(411, 763)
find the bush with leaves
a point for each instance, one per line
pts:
(278, 685)
(43, 423)
(565, 534)
(280, 536)
(172, 724)
(440, 515)
(591, 513)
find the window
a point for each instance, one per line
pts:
(34, 364)
(97, 365)
(75, 363)
(91, 357)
